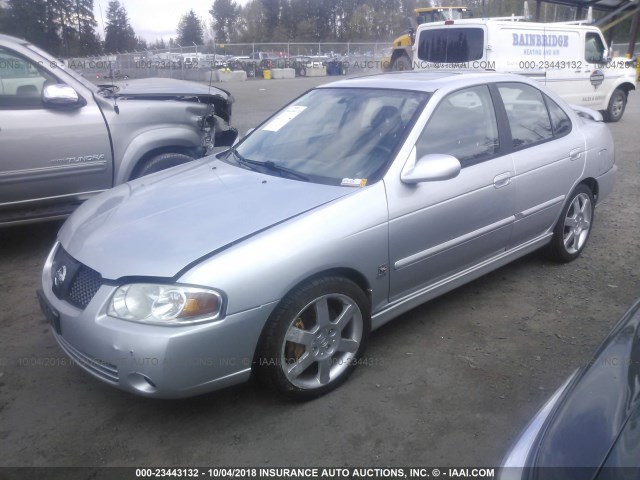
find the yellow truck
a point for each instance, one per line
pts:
(402, 53)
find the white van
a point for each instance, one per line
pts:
(571, 59)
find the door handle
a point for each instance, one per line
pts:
(575, 154)
(502, 180)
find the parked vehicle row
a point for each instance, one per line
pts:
(301, 64)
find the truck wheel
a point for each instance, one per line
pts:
(160, 162)
(401, 63)
(617, 103)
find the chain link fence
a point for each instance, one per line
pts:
(198, 62)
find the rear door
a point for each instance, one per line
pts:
(462, 45)
(548, 157)
(48, 153)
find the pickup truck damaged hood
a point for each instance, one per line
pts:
(171, 89)
(157, 225)
(165, 86)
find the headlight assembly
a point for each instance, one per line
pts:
(165, 304)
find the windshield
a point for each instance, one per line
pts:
(53, 64)
(339, 136)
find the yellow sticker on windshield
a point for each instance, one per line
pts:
(354, 182)
(284, 117)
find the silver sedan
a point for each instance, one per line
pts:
(353, 204)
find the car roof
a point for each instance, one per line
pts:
(426, 81)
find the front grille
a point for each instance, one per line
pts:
(72, 281)
(102, 369)
(84, 287)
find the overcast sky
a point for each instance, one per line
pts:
(155, 19)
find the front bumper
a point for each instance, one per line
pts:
(150, 360)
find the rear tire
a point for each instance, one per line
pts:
(574, 226)
(160, 162)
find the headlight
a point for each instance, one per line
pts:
(164, 304)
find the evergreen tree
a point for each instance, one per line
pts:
(225, 15)
(120, 36)
(190, 29)
(271, 17)
(88, 42)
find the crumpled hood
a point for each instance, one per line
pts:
(166, 86)
(157, 225)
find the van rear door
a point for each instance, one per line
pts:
(458, 44)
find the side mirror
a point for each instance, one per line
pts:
(431, 168)
(60, 95)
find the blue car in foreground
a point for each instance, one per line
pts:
(590, 427)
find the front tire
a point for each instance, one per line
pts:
(313, 339)
(574, 226)
(160, 162)
(617, 104)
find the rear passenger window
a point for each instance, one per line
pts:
(527, 113)
(463, 125)
(560, 121)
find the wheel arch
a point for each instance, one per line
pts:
(625, 86)
(152, 143)
(140, 163)
(592, 183)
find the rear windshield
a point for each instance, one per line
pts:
(451, 44)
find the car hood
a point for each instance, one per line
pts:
(596, 421)
(165, 86)
(160, 224)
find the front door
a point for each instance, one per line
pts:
(47, 152)
(439, 228)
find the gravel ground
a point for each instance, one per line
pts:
(450, 383)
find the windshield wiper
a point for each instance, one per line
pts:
(244, 162)
(283, 171)
(280, 169)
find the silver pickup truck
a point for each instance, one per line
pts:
(64, 139)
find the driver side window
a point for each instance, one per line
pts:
(21, 82)
(463, 125)
(594, 48)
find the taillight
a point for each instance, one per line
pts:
(448, 22)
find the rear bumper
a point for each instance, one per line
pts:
(606, 182)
